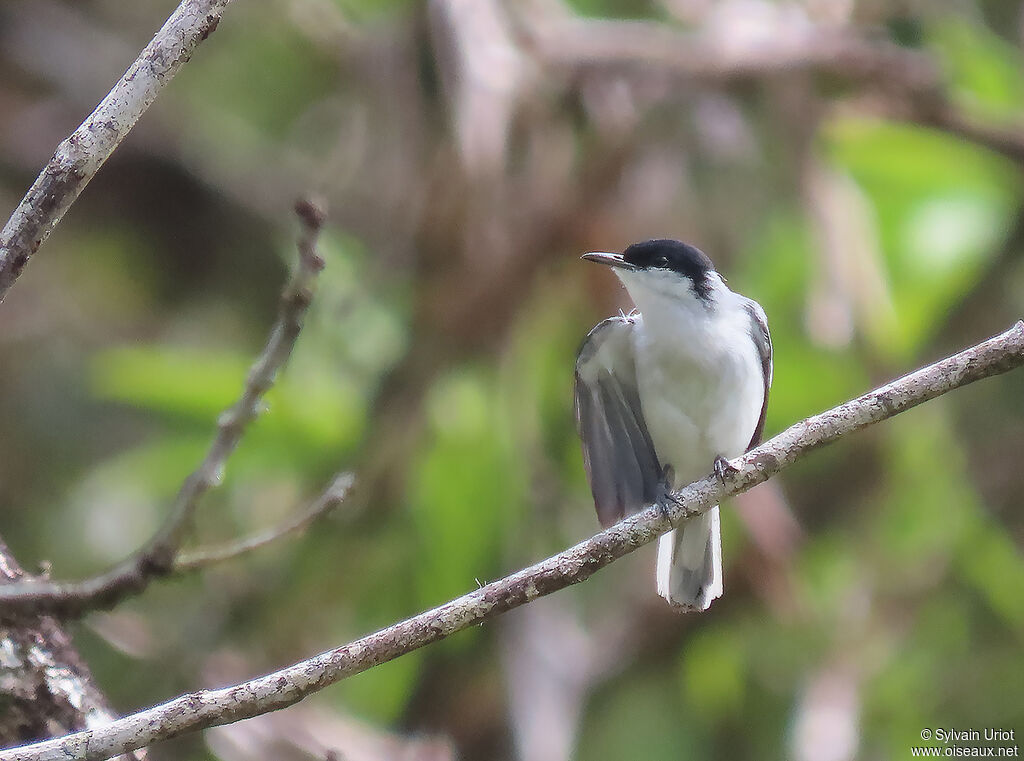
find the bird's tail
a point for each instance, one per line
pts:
(690, 563)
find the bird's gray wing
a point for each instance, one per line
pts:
(618, 454)
(763, 342)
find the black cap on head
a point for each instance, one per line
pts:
(673, 255)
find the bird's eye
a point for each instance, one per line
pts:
(661, 261)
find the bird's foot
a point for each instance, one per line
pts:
(724, 469)
(666, 497)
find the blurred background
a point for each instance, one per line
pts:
(850, 164)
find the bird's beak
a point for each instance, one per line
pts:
(612, 260)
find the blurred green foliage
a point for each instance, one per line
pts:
(941, 206)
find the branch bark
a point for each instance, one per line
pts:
(157, 557)
(207, 708)
(79, 157)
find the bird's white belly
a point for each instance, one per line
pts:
(699, 402)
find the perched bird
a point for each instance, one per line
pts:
(667, 393)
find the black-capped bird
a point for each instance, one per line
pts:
(668, 393)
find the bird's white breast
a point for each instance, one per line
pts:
(700, 380)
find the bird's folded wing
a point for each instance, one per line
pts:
(763, 342)
(618, 455)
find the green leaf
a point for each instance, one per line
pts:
(185, 382)
(306, 414)
(940, 203)
(983, 68)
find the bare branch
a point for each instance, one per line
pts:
(207, 708)
(896, 82)
(156, 558)
(713, 60)
(80, 156)
(331, 497)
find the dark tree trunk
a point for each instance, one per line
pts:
(46, 690)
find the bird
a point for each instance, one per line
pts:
(668, 393)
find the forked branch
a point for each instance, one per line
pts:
(157, 557)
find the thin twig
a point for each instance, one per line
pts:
(156, 558)
(331, 497)
(79, 157)
(207, 708)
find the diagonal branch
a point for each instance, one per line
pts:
(157, 557)
(79, 157)
(207, 708)
(331, 497)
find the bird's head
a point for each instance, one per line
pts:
(663, 266)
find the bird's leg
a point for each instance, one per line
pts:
(724, 468)
(668, 478)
